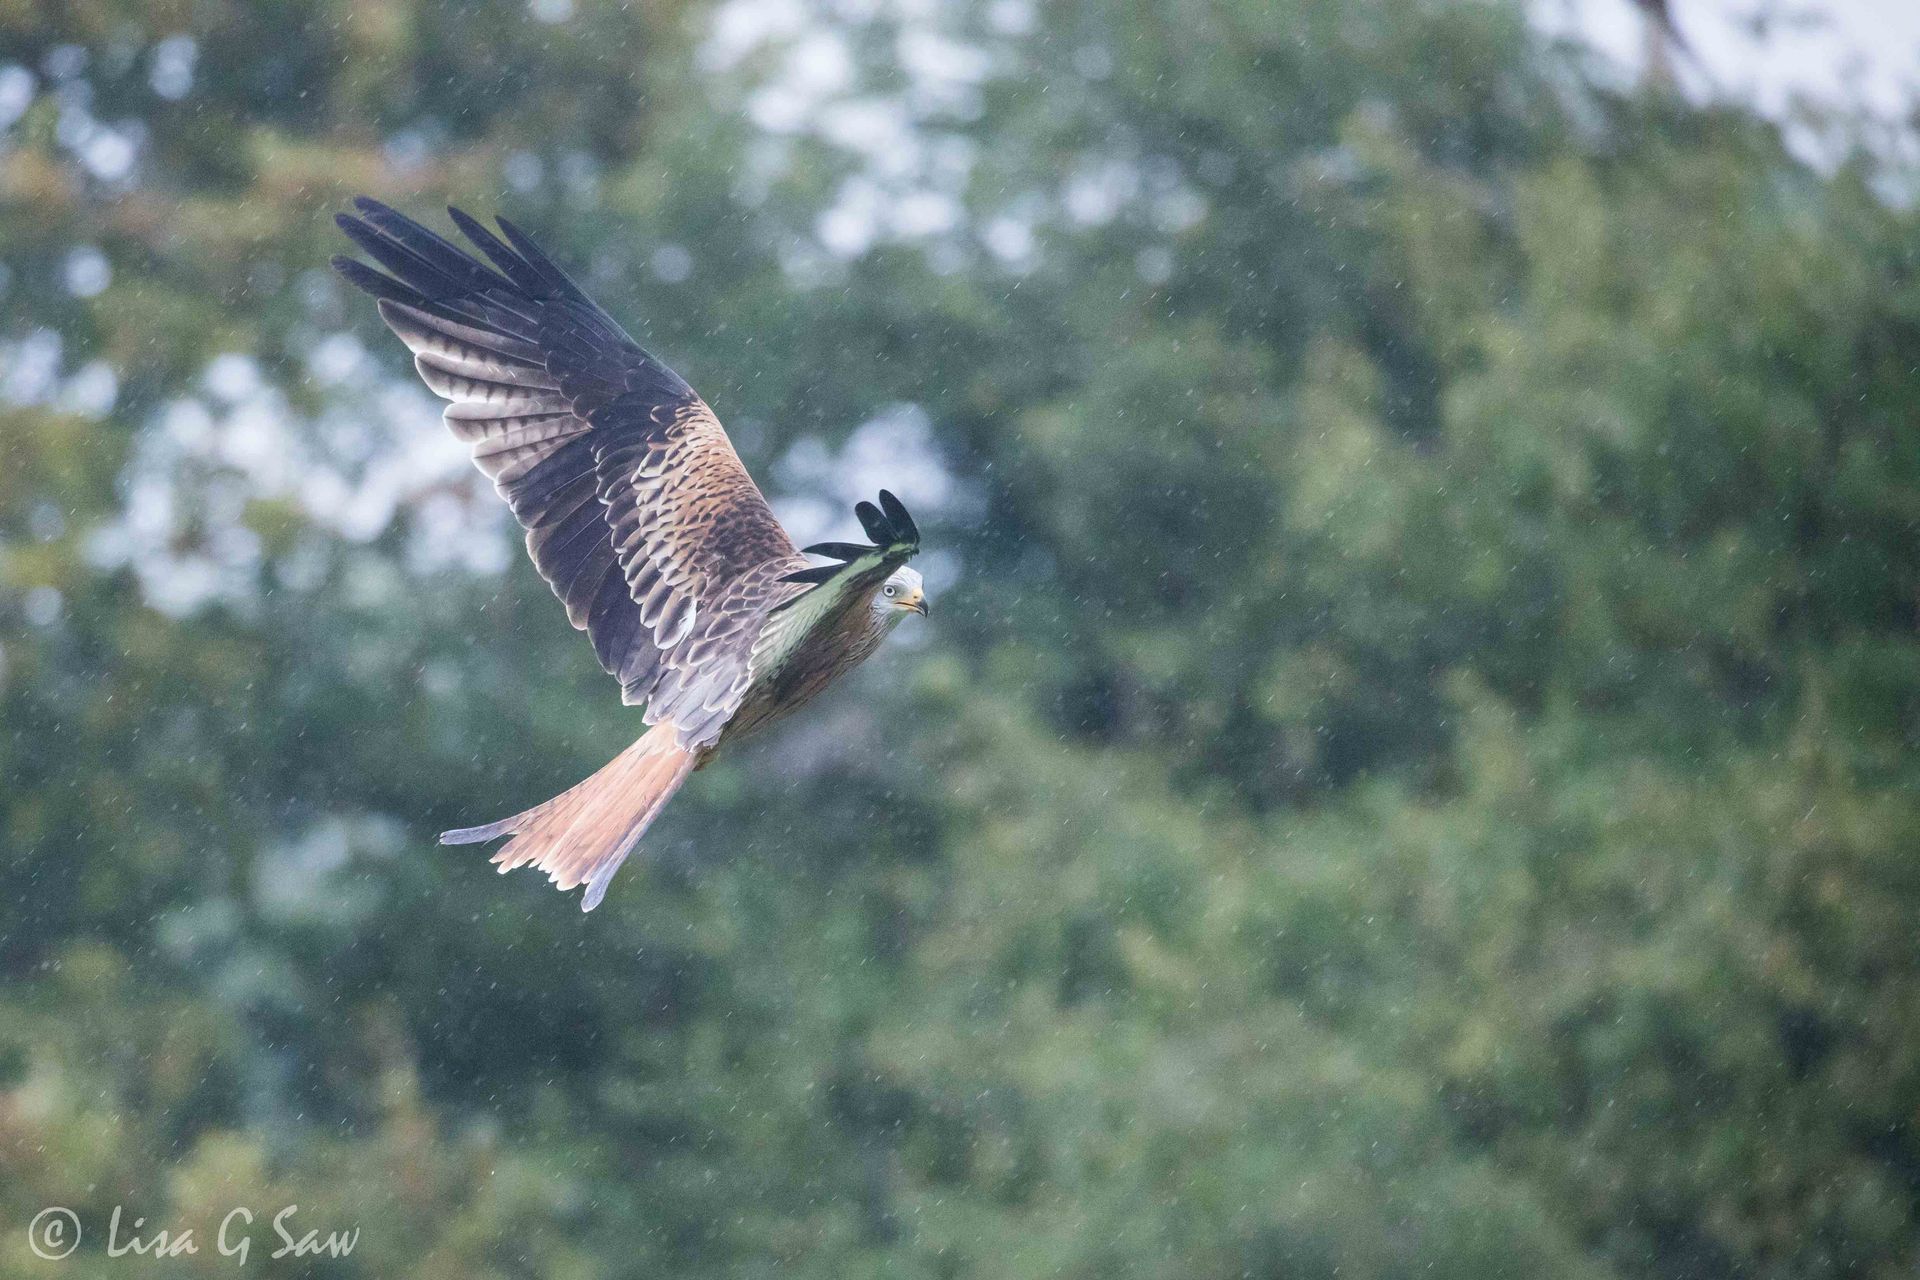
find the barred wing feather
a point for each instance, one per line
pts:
(637, 511)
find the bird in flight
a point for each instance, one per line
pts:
(639, 515)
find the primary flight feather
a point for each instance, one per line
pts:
(640, 516)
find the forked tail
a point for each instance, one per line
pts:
(582, 835)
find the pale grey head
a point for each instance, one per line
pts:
(901, 594)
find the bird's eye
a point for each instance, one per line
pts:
(891, 592)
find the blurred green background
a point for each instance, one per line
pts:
(1411, 772)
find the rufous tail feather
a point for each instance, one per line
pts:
(582, 835)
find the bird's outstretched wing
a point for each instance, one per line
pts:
(638, 512)
(896, 540)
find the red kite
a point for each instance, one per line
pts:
(638, 514)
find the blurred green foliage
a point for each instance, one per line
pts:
(1414, 774)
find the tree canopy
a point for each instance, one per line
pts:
(1412, 771)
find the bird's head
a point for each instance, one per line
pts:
(900, 593)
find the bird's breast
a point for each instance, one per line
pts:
(814, 662)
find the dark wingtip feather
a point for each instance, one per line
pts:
(838, 550)
(359, 231)
(896, 512)
(874, 523)
(347, 223)
(384, 220)
(367, 280)
(888, 525)
(470, 227)
(522, 241)
(416, 271)
(517, 268)
(537, 258)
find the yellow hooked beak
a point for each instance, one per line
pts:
(917, 602)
